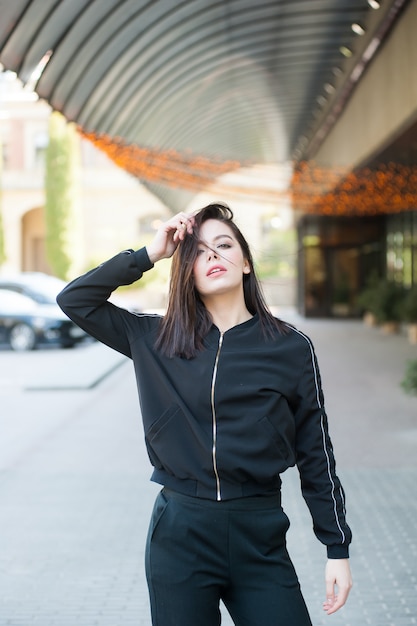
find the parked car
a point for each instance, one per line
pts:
(30, 316)
(42, 288)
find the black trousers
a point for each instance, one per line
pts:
(201, 551)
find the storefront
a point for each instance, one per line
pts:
(337, 258)
(401, 259)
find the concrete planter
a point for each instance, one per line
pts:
(412, 333)
(369, 319)
(390, 328)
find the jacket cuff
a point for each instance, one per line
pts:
(338, 552)
(142, 260)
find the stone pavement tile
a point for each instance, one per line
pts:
(74, 513)
(82, 368)
(382, 511)
(75, 505)
(373, 423)
(85, 567)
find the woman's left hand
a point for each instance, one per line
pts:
(337, 575)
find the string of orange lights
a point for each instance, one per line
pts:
(167, 167)
(388, 188)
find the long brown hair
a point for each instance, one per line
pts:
(187, 321)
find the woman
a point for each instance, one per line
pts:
(230, 398)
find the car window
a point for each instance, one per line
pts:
(13, 302)
(40, 287)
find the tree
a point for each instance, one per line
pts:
(61, 186)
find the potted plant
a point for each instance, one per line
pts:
(409, 383)
(366, 301)
(409, 313)
(388, 302)
(341, 297)
(384, 300)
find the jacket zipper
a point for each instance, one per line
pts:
(214, 419)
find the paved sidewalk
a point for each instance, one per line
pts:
(373, 424)
(82, 368)
(75, 496)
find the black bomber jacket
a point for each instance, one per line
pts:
(228, 422)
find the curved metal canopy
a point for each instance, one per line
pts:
(231, 80)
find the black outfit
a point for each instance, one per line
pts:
(219, 430)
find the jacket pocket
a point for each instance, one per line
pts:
(281, 443)
(280, 425)
(257, 447)
(177, 444)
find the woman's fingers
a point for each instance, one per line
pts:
(338, 577)
(169, 235)
(185, 224)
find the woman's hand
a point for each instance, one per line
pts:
(169, 235)
(337, 575)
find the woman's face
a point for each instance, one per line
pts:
(220, 264)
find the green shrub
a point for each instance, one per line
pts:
(60, 194)
(409, 305)
(409, 383)
(384, 299)
(388, 302)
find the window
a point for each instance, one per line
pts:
(40, 143)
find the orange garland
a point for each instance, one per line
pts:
(167, 167)
(390, 188)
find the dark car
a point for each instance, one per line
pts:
(29, 315)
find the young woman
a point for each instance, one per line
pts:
(230, 397)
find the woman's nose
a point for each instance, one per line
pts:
(211, 254)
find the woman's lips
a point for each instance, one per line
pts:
(216, 269)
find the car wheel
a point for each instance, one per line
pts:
(22, 337)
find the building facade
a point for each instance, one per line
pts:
(114, 208)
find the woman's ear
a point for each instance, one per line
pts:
(246, 267)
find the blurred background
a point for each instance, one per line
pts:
(301, 115)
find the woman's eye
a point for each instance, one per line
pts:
(200, 251)
(225, 245)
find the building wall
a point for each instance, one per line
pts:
(112, 204)
(382, 107)
(383, 103)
